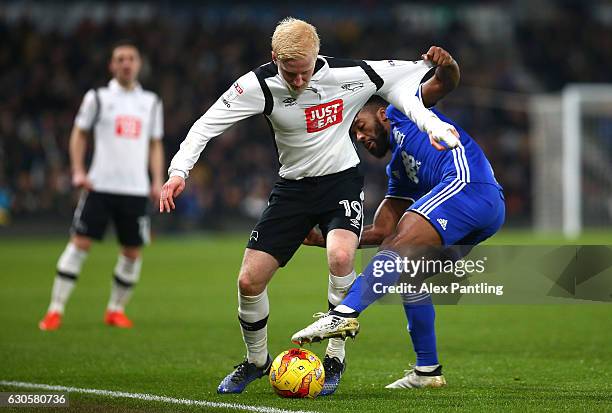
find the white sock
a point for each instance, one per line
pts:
(427, 369)
(126, 275)
(336, 291)
(344, 309)
(62, 288)
(253, 316)
(338, 287)
(68, 270)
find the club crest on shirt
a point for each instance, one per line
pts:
(290, 101)
(323, 116)
(232, 94)
(352, 86)
(229, 96)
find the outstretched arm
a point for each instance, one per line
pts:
(386, 218)
(401, 82)
(243, 99)
(445, 78)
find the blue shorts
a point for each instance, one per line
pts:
(462, 213)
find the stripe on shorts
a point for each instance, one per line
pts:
(463, 176)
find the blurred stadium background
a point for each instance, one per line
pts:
(517, 59)
(549, 140)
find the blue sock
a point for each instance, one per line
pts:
(381, 269)
(421, 319)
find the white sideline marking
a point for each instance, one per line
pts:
(150, 397)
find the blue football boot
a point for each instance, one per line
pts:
(242, 376)
(333, 372)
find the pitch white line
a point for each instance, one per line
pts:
(150, 397)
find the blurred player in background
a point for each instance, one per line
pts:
(309, 102)
(127, 125)
(435, 199)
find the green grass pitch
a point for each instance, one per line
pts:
(186, 337)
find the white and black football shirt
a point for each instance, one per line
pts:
(124, 122)
(311, 129)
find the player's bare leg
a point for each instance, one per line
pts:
(256, 271)
(81, 242)
(68, 270)
(125, 276)
(412, 230)
(341, 246)
(413, 236)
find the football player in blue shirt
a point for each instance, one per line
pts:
(436, 198)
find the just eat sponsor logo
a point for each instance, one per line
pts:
(128, 127)
(323, 116)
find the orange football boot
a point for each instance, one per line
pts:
(117, 319)
(52, 321)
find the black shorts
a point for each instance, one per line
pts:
(296, 206)
(128, 213)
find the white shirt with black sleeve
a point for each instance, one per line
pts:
(124, 122)
(311, 129)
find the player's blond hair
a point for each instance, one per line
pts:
(295, 39)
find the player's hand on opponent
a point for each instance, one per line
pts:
(314, 238)
(447, 134)
(444, 132)
(171, 189)
(437, 56)
(80, 180)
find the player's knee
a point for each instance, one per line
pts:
(71, 260)
(127, 270)
(406, 247)
(400, 243)
(132, 253)
(249, 285)
(81, 242)
(340, 261)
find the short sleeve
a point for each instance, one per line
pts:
(87, 112)
(396, 190)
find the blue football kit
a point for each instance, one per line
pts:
(455, 190)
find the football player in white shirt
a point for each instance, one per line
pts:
(127, 124)
(309, 102)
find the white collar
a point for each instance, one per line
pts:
(115, 86)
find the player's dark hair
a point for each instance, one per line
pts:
(124, 43)
(375, 102)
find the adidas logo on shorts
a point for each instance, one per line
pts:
(442, 223)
